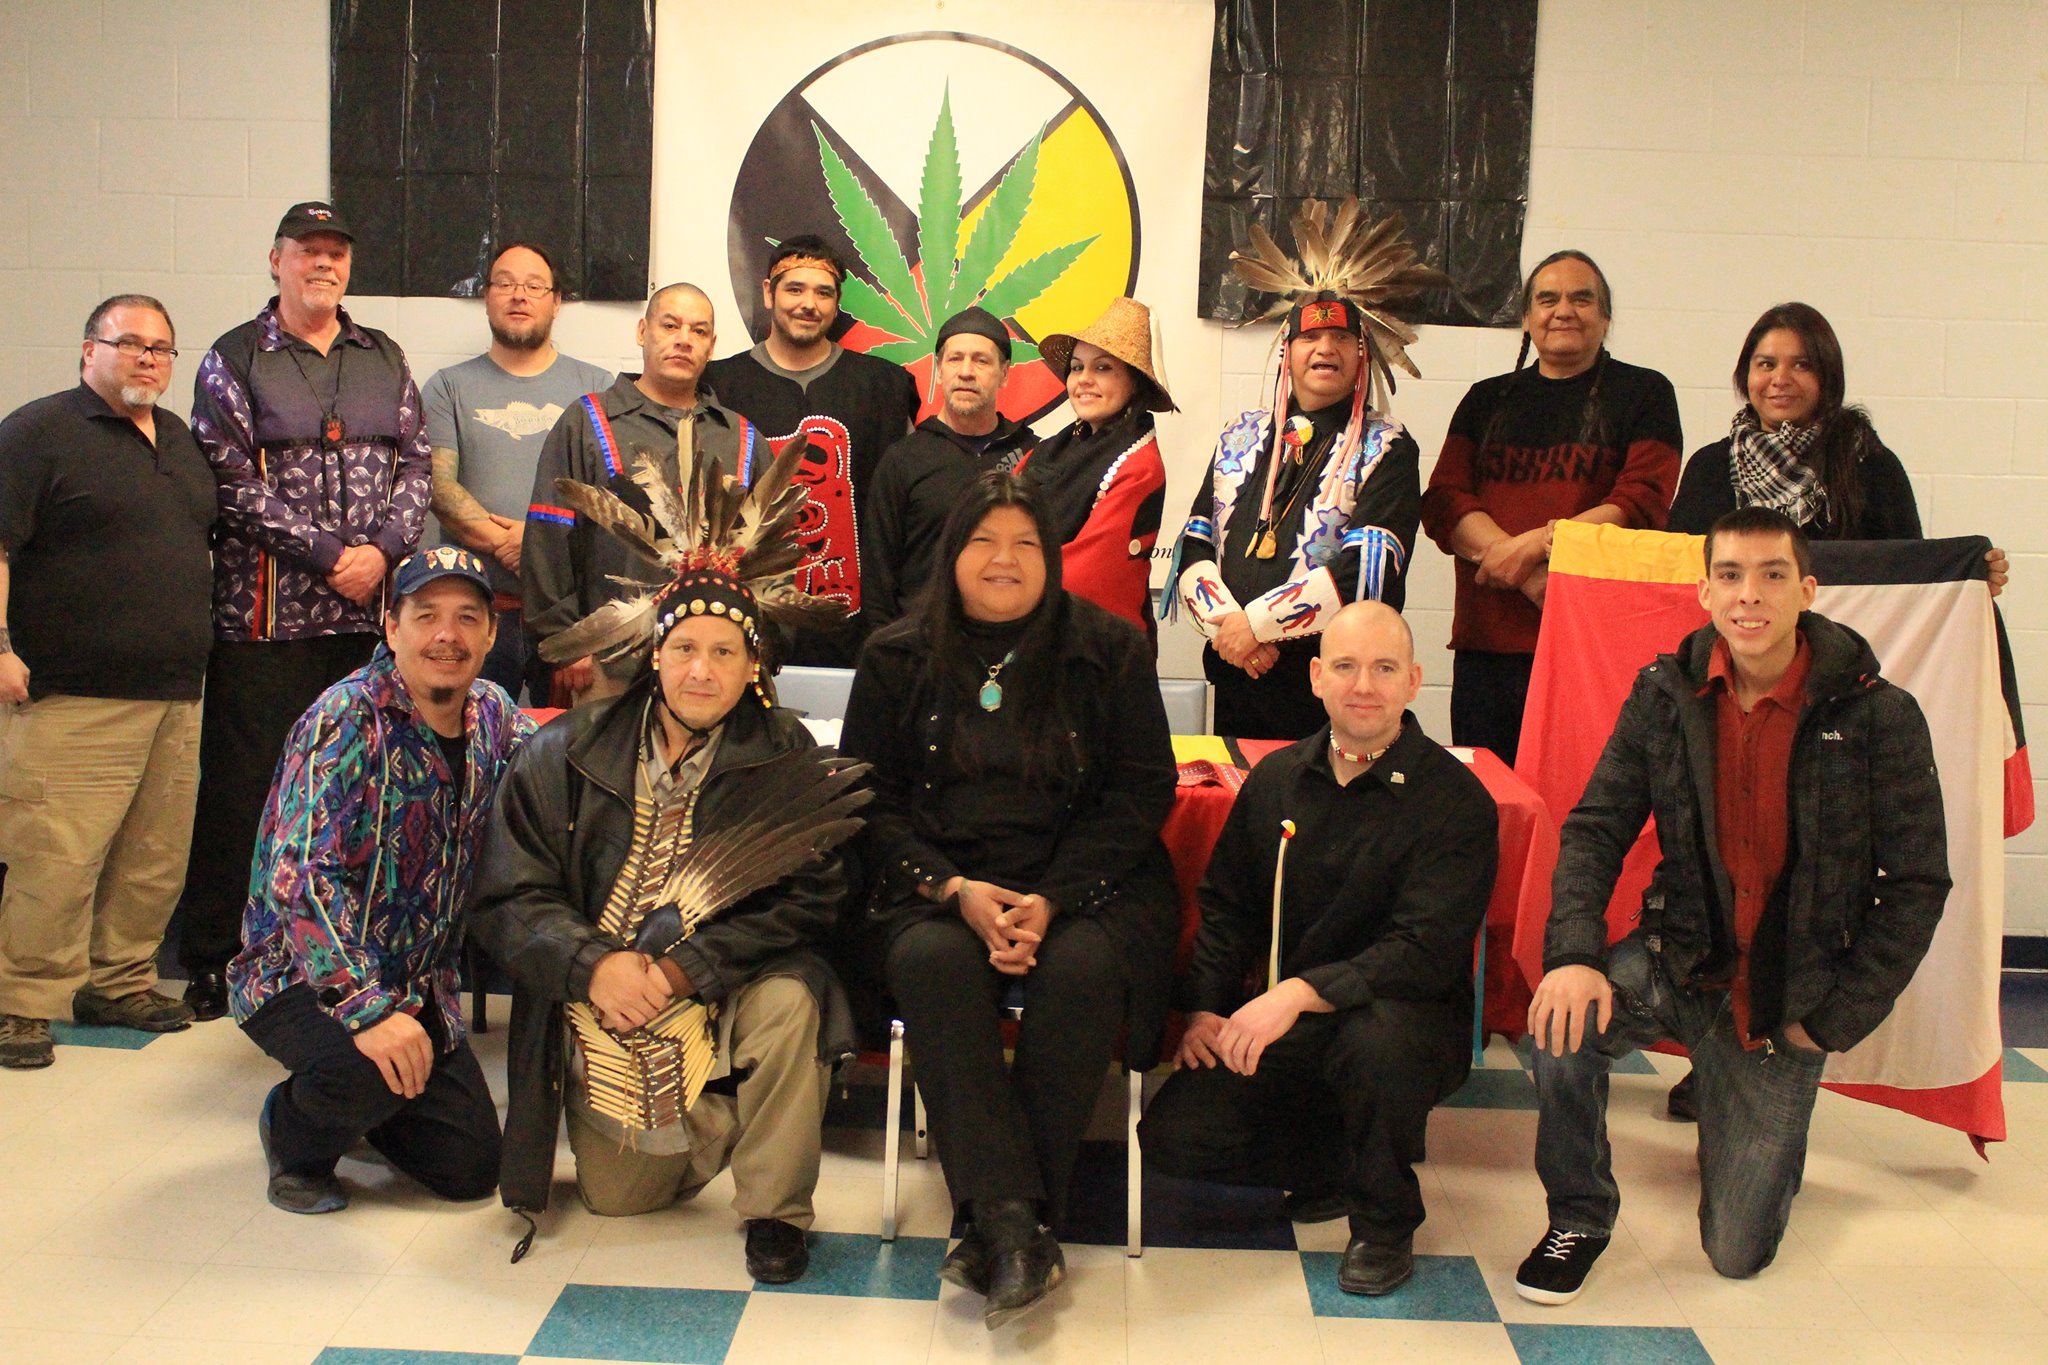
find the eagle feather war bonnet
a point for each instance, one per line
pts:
(729, 551)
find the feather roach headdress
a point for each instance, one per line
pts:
(1350, 275)
(729, 551)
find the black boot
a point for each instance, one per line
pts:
(1025, 1263)
(967, 1263)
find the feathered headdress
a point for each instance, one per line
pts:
(1350, 259)
(729, 551)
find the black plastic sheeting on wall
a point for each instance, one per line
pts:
(459, 124)
(1418, 107)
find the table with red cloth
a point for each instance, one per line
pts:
(1521, 887)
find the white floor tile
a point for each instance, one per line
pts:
(21, 1346)
(190, 1231)
(61, 1293)
(249, 1303)
(1219, 1339)
(468, 1242)
(366, 1238)
(1972, 1348)
(1256, 1283)
(1777, 1346)
(1941, 1299)
(674, 1249)
(1801, 1296)
(1439, 1343)
(1054, 1334)
(408, 1312)
(165, 1351)
(1845, 1236)
(802, 1329)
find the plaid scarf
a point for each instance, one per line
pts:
(1769, 469)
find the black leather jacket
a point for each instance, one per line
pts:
(1866, 804)
(559, 833)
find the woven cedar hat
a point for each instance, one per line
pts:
(1125, 331)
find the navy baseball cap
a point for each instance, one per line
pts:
(303, 220)
(422, 567)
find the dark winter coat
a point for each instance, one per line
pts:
(1866, 867)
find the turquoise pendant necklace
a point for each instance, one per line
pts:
(991, 695)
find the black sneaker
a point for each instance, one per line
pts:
(1556, 1270)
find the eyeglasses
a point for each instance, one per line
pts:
(135, 350)
(531, 288)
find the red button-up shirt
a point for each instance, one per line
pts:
(1752, 801)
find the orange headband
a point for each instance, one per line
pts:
(789, 263)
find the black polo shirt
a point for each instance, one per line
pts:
(110, 590)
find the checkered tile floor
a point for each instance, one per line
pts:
(133, 1229)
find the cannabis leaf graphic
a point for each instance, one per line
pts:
(953, 278)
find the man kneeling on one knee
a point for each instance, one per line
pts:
(667, 995)
(1791, 785)
(1322, 1083)
(353, 926)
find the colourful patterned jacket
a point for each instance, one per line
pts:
(290, 502)
(365, 854)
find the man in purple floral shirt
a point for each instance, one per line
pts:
(354, 905)
(314, 430)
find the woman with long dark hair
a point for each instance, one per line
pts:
(1798, 447)
(1101, 478)
(1577, 436)
(1022, 771)
(1795, 446)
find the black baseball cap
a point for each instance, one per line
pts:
(303, 220)
(422, 567)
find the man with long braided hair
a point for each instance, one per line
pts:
(1577, 436)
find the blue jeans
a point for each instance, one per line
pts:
(1754, 1107)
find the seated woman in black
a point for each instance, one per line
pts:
(1022, 769)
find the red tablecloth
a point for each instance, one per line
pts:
(1521, 888)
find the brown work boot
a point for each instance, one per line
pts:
(25, 1043)
(149, 1011)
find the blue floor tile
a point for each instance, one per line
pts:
(862, 1266)
(2020, 1068)
(668, 1326)
(1540, 1343)
(1495, 1090)
(95, 1035)
(1445, 1289)
(360, 1355)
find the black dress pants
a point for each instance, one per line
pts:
(446, 1137)
(1015, 1133)
(1489, 692)
(1277, 705)
(255, 692)
(1341, 1101)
